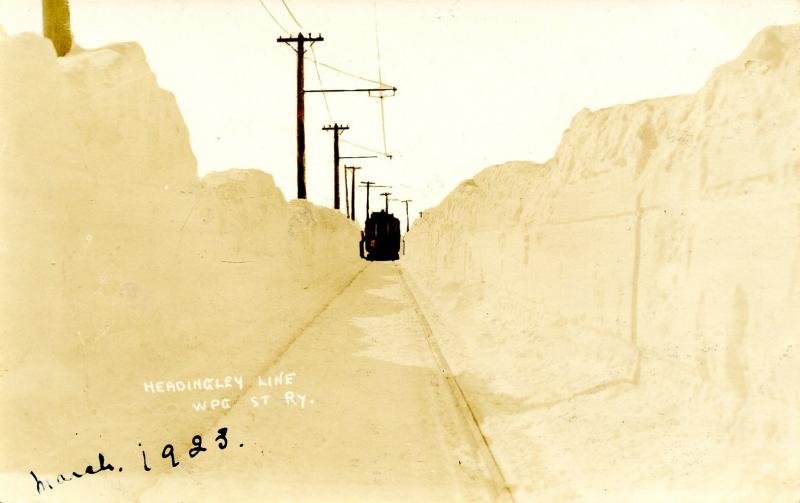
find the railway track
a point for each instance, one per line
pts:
(380, 430)
(495, 473)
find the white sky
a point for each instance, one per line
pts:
(480, 82)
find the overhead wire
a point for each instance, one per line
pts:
(291, 14)
(324, 96)
(366, 79)
(321, 85)
(380, 78)
(272, 16)
(321, 63)
(318, 63)
(313, 59)
(366, 148)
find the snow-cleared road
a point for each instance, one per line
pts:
(382, 420)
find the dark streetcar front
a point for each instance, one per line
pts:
(381, 237)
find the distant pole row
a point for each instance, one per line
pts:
(352, 189)
(337, 129)
(386, 195)
(368, 185)
(302, 43)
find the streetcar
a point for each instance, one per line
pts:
(380, 239)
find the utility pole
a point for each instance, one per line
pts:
(336, 128)
(352, 189)
(368, 185)
(408, 224)
(386, 195)
(351, 212)
(301, 40)
(346, 196)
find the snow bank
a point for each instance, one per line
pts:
(120, 266)
(626, 315)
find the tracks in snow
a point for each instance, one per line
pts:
(495, 473)
(463, 416)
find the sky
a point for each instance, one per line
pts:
(480, 82)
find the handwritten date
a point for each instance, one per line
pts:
(167, 453)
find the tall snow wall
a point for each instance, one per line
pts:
(120, 266)
(626, 316)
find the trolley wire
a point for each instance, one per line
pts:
(272, 16)
(314, 59)
(321, 85)
(380, 78)
(318, 63)
(365, 79)
(322, 63)
(291, 14)
(365, 148)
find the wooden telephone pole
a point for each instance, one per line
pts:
(301, 40)
(352, 189)
(368, 185)
(351, 213)
(408, 224)
(386, 195)
(346, 194)
(337, 129)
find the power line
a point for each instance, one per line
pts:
(383, 127)
(353, 90)
(292, 15)
(313, 52)
(319, 77)
(366, 148)
(343, 72)
(380, 77)
(377, 44)
(272, 16)
(316, 61)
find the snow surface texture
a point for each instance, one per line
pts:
(120, 266)
(625, 316)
